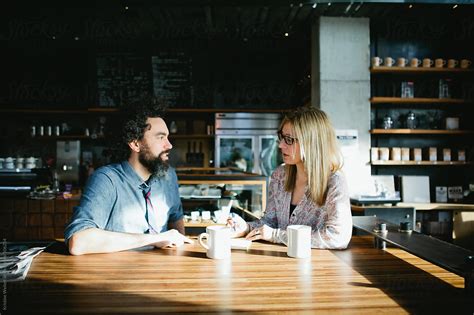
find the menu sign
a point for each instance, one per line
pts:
(172, 74)
(122, 78)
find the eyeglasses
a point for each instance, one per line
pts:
(288, 140)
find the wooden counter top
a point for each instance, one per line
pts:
(420, 206)
(438, 206)
(361, 279)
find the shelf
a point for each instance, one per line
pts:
(421, 163)
(228, 110)
(42, 111)
(67, 137)
(438, 206)
(112, 110)
(203, 110)
(417, 100)
(413, 70)
(190, 199)
(421, 131)
(200, 224)
(172, 136)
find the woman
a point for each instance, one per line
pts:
(309, 188)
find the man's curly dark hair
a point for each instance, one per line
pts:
(132, 125)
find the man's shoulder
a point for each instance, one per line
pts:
(170, 175)
(111, 171)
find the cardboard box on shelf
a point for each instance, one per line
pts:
(446, 154)
(405, 152)
(432, 154)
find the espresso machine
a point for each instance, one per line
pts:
(68, 161)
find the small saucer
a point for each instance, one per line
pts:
(380, 231)
(405, 231)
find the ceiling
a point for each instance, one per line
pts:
(188, 19)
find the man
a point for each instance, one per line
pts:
(134, 203)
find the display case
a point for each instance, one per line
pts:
(207, 190)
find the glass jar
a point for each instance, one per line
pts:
(387, 122)
(411, 120)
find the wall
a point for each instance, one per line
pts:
(341, 85)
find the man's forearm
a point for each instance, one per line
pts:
(95, 240)
(177, 225)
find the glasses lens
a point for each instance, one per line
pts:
(288, 140)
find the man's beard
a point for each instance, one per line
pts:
(154, 164)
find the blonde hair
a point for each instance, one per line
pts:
(318, 149)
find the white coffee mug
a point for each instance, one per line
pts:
(388, 61)
(440, 63)
(465, 63)
(299, 241)
(194, 215)
(206, 215)
(376, 61)
(452, 63)
(217, 241)
(427, 62)
(415, 62)
(401, 62)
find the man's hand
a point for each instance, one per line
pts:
(171, 238)
(261, 233)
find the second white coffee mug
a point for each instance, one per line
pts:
(427, 62)
(440, 63)
(402, 62)
(415, 62)
(452, 63)
(299, 241)
(217, 241)
(388, 62)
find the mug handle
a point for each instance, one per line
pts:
(201, 236)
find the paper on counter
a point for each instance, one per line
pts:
(240, 243)
(14, 265)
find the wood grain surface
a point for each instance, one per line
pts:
(361, 279)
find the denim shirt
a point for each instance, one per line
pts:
(113, 200)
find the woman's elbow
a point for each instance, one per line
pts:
(344, 238)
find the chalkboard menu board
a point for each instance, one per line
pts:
(122, 78)
(172, 77)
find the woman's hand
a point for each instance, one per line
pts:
(261, 233)
(238, 225)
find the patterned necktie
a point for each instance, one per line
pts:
(150, 211)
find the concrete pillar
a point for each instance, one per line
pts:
(340, 81)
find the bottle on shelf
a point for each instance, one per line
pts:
(411, 120)
(387, 122)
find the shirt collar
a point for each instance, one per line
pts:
(132, 176)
